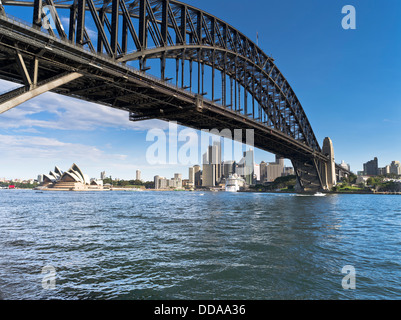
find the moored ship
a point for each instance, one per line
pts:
(234, 183)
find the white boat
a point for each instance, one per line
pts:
(234, 183)
(319, 194)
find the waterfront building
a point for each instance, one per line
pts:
(275, 169)
(209, 175)
(163, 183)
(177, 180)
(371, 168)
(384, 171)
(96, 183)
(73, 179)
(395, 167)
(156, 180)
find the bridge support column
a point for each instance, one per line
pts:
(15, 97)
(329, 169)
(308, 175)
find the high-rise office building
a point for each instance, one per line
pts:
(263, 172)
(246, 167)
(217, 159)
(138, 175)
(102, 175)
(384, 171)
(211, 173)
(176, 181)
(198, 176)
(157, 182)
(371, 168)
(228, 168)
(256, 172)
(163, 183)
(395, 167)
(191, 178)
(272, 170)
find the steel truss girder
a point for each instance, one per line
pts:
(308, 172)
(170, 23)
(282, 120)
(182, 32)
(18, 96)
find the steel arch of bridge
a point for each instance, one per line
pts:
(245, 80)
(167, 29)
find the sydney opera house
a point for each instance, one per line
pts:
(72, 180)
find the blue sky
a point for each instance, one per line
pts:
(348, 82)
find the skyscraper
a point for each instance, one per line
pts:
(395, 167)
(263, 172)
(191, 174)
(371, 168)
(217, 159)
(275, 169)
(138, 175)
(228, 168)
(157, 182)
(246, 167)
(211, 173)
(256, 172)
(198, 176)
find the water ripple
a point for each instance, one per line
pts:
(198, 245)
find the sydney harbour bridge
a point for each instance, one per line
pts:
(159, 59)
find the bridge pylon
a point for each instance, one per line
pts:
(329, 168)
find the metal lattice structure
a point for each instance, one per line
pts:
(93, 58)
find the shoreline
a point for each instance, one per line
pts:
(328, 192)
(200, 190)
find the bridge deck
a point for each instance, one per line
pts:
(116, 85)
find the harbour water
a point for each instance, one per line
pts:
(197, 245)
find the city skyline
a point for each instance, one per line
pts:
(137, 172)
(334, 86)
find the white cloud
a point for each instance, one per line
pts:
(69, 114)
(26, 147)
